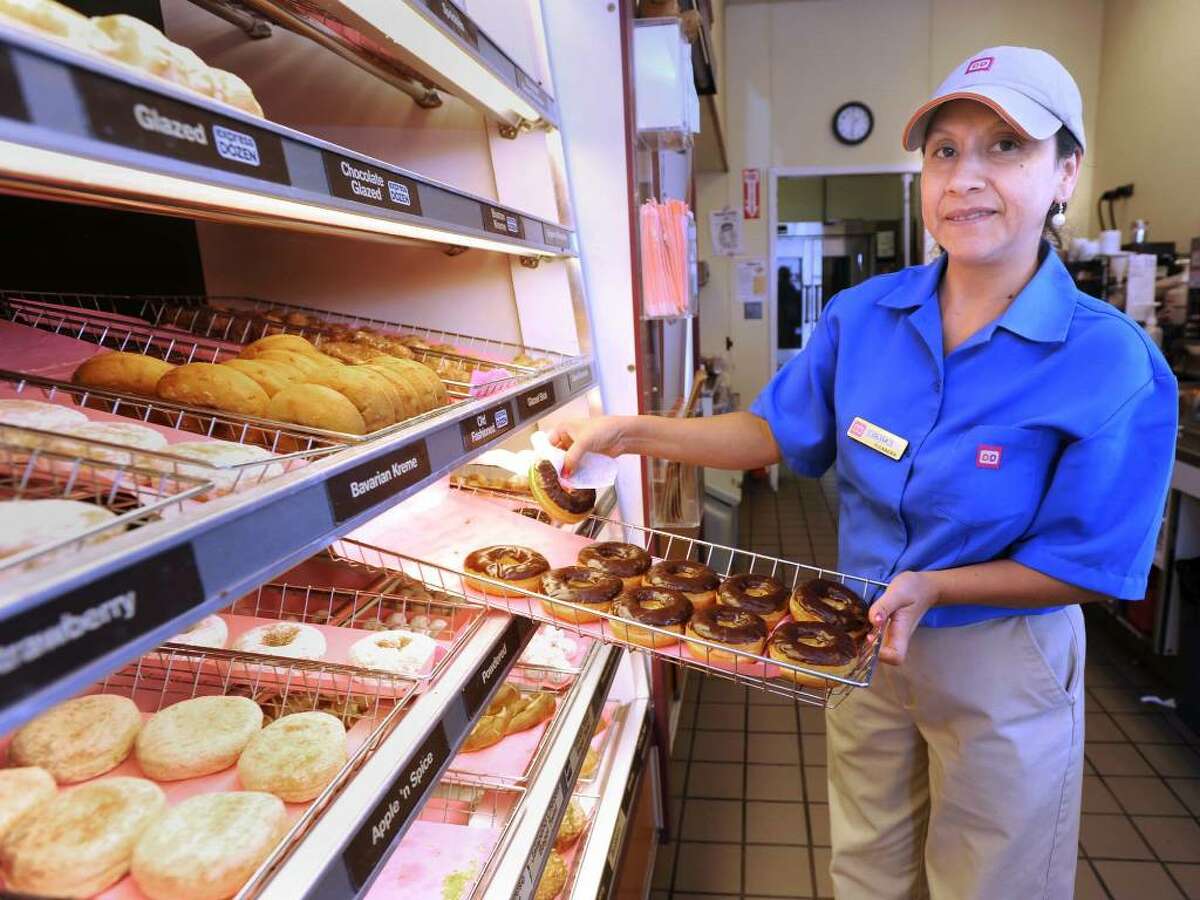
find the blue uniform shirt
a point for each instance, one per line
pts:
(1047, 437)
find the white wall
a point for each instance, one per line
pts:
(789, 65)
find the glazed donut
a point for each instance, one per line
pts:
(290, 639)
(398, 651)
(519, 567)
(554, 878)
(660, 607)
(561, 504)
(822, 600)
(628, 562)
(530, 711)
(573, 822)
(490, 729)
(211, 631)
(580, 585)
(695, 579)
(759, 594)
(813, 645)
(733, 628)
(591, 763)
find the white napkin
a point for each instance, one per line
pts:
(594, 471)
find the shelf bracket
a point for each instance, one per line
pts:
(455, 250)
(250, 21)
(508, 132)
(530, 262)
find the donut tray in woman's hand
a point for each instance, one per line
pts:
(431, 540)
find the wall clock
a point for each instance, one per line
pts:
(853, 123)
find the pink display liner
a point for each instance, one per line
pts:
(177, 791)
(512, 756)
(429, 853)
(338, 642)
(446, 531)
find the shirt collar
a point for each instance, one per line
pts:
(1041, 312)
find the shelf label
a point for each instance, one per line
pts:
(351, 179)
(368, 484)
(494, 666)
(456, 20)
(141, 120)
(534, 400)
(44, 644)
(386, 821)
(556, 237)
(12, 104)
(533, 90)
(501, 221)
(478, 429)
(577, 378)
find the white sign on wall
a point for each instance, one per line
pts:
(726, 231)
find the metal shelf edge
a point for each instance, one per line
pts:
(149, 584)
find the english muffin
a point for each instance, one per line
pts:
(81, 841)
(206, 847)
(20, 791)
(197, 737)
(79, 739)
(295, 756)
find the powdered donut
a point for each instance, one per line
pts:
(211, 631)
(399, 651)
(290, 639)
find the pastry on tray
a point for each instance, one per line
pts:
(123, 372)
(516, 566)
(562, 504)
(213, 386)
(197, 737)
(659, 608)
(80, 738)
(731, 629)
(294, 757)
(574, 820)
(824, 600)
(696, 580)
(817, 646)
(80, 841)
(28, 524)
(591, 591)
(396, 651)
(628, 562)
(759, 594)
(554, 877)
(21, 789)
(211, 632)
(208, 846)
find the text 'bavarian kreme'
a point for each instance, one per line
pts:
(382, 477)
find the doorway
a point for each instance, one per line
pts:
(831, 230)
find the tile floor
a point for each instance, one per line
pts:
(748, 769)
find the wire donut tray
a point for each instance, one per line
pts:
(759, 671)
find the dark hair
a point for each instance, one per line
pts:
(1065, 146)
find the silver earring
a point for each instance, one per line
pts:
(1059, 219)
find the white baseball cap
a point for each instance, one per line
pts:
(1028, 88)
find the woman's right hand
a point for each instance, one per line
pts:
(579, 436)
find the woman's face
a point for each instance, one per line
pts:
(985, 190)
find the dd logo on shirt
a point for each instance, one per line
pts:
(987, 457)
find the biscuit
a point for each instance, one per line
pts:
(28, 524)
(197, 737)
(81, 841)
(361, 388)
(118, 370)
(270, 375)
(79, 739)
(292, 342)
(214, 386)
(347, 352)
(432, 390)
(307, 363)
(208, 846)
(316, 406)
(407, 398)
(295, 757)
(20, 791)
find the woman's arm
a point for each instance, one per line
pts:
(1001, 582)
(738, 440)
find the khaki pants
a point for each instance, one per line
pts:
(957, 776)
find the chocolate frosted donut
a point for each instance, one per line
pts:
(813, 645)
(759, 594)
(560, 503)
(734, 628)
(695, 579)
(659, 607)
(822, 600)
(628, 562)
(518, 566)
(585, 587)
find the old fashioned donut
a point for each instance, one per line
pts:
(628, 562)
(823, 600)
(816, 646)
(582, 586)
(760, 594)
(695, 579)
(561, 504)
(517, 567)
(659, 607)
(732, 628)
(291, 639)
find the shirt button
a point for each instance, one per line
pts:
(937, 386)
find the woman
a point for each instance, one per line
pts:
(1003, 447)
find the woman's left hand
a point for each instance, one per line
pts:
(900, 610)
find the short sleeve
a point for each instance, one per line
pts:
(798, 404)
(1098, 523)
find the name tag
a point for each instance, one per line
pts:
(877, 438)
